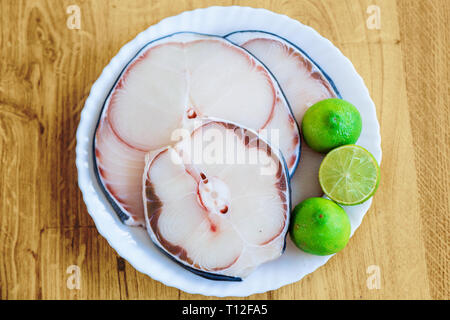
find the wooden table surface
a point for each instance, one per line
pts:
(47, 70)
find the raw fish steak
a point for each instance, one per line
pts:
(303, 84)
(218, 201)
(171, 83)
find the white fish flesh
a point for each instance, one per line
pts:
(171, 83)
(303, 84)
(218, 218)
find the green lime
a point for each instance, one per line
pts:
(319, 226)
(331, 123)
(349, 175)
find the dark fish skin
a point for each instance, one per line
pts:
(122, 215)
(204, 274)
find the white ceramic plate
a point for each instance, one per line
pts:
(133, 244)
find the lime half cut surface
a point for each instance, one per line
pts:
(349, 175)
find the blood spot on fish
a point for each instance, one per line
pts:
(292, 161)
(191, 114)
(291, 121)
(224, 210)
(296, 140)
(204, 179)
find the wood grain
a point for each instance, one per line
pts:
(46, 72)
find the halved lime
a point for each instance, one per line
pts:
(349, 175)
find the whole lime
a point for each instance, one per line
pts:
(319, 226)
(331, 123)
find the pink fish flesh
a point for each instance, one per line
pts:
(303, 84)
(172, 83)
(219, 220)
